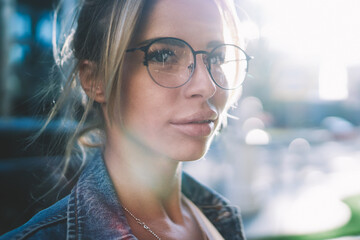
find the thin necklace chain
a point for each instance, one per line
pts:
(141, 223)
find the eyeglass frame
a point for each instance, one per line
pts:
(146, 48)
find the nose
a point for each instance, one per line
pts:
(201, 83)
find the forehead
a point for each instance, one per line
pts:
(196, 21)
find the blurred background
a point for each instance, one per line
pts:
(290, 156)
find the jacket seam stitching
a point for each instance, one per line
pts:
(38, 226)
(76, 215)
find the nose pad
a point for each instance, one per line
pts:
(205, 60)
(208, 87)
(191, 68)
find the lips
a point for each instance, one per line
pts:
(200, 124)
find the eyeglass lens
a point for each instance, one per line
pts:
(170, 63)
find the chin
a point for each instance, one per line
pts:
(189, 158)
(188, 154)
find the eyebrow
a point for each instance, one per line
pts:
(209, 45)
(145, 42)
(165, 40)
(213, 44)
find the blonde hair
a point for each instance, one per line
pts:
(233, 31)
(100, 31)
(104, 30)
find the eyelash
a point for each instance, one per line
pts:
(217, 57)
(153, 54)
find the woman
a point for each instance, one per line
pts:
(159, 77)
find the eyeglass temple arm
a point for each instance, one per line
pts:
(143, 48)
(248, 58)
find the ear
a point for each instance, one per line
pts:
(90, 82)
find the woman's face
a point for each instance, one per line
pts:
(178, 123)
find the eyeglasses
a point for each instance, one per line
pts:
(171, 63)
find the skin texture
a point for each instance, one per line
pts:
(144, 155)
(150, 109)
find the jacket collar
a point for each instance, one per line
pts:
(225, 217)
(94, 211)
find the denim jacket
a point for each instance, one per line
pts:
(92, 211)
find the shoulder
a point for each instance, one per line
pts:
(49, 223)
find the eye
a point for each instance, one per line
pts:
(216, 59)
(161, 56)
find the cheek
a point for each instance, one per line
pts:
(220, 99)
(147, 105)
(147, 121)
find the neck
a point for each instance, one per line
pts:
(144, 179)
